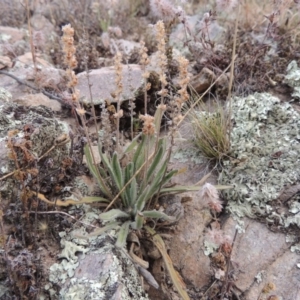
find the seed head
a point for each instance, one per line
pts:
(209, 195)
(148, 128)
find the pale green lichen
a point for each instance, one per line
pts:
(5, 95)
(296, 248)
(293, 78)
(111, 276)
(59, 273)
(265, 155)
(209, 248)
(70, 249)
(190, 154)
(260, 276)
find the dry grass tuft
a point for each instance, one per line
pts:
(211, 130)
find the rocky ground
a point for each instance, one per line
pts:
(43, 254)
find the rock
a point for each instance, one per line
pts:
(288, 192)
(222, 85)
(260, 257)
(193, 264)
(45, 78)
(5, 96)
(10, 34)
(102, 271)
(103, 84)
(40, 23)
(86, 185)
(11, 86)
(5, 62)
(38, 99)
(44, 34)
(196, 27)
(203, 80)
(57, 10)
(26, 59)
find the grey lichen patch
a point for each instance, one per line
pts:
(102, 272)
(59, 273)
(70, 250)
(5, 95)
(187, 154)
(265, 155)
(293, 78)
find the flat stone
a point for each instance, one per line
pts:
(261, 256)
(10, 34)
(38, 99)
(26, 59)
(103, 84)
(5, 62)
(186, 251)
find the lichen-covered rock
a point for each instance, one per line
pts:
(102, 272)
(265, 155)
(36, 125)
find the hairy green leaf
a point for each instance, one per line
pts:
(122, 234)
(158, 215)
(117, 171)
(139, 155)
(155, 162)
(95, 172)
(132, 144)
(91, 199)
(139, 221)
(141, 200)
(113, 214)
(100, 231)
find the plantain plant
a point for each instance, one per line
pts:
(134, 188)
